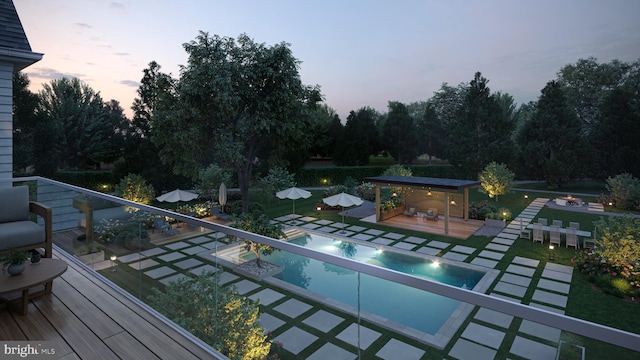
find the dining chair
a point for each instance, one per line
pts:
(542, 221)
(572, 238)
(524, 232)
(554, 235)
(574, 225)
(537, 233)
(557, 222)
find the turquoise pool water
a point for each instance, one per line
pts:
(403, 304)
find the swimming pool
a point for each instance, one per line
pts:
(404, 306)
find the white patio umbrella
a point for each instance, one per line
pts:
(344, 200)
(177, 195)
(222, 196)
(293, 193)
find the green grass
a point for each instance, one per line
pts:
(594, 187)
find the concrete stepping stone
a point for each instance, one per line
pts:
(218, 235)
(202, 269)
(382, 241)
(350, 336)
(210, 245)
(174, 278)
(177, 245)
(455, 256)
(483, 335)
(199, 240)
(554, 286)
(245, 286)
(172, 256)
(188, 263)
(267, 296)
(194, 250)
(404, 246)
(270, 322)
(540, 331)
(356, 228)
(306, 219)
(467, 350)
(525, 261)
(333, 352)
(516, 279)
(559, 268)
(484, 262)
(144, 264)
(310, 226)
(438, 244)
(510, 289)
(520, 270)
(502, 241)
(323, 321)
(374, 232)
(503, 297)
(508, 235)
(160, 272)
(226, 278)
(550, 298)
(363, 237)
(343, 233)
(497, 247)
(548, 308)
(153, 252)
(414, 240)
(511, 230)
(131, 257)
(491, 254)
(296, 340)
(394, 236)
(556, 275)
(533, 350)
(494, 317)
(463, 249)
(326, 229)
(292, 308)
(428, 250)
(324, 222)
(393, 348)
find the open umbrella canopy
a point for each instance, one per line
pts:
(177, 195)
(293, 193)
(343, 199)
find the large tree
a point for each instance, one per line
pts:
(24, 122)
(431, 133)
(400, 134)
(358, 139)
(231, 96)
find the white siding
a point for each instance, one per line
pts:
(6, 121)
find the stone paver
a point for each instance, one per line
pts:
(144, 264)
(455, 256)
(405, 246)
(494, 317)
(520, 270)
(525, 261)
(382, 241)
(550, 298)
(393, 348)
(484, 262)
(516, 279)
(356, 228)
(510, 289)
(226, 277)
(172, 256)
(333, 352)
(560, 268)
(153, 252)
(463, 249)
(310, 226)
(428, 250)
(438, 244)
(394, 236)
(245, 286)
(483, 335)
(491, 254)
(414, 240)
(374, 232)
(326, 229)
(554, 286)
(200, 240)
(295, 340)
(350, 336)
(177, 245)
(210, 245)
(556, 275)
(159, 272)
(173, 278)
(270, 322)
(363, 237)
(508, 235)
(540, 331)
(323, 321)
(504, 297)
(267, 296)
(324, 222)
(343, 232)
(199, 270)
(292, 308)
(498, 247)
(131, 257)
(533, 350)
(194, 250)
(188, 263)
(548, 308)
(307, 219)
(502, 241)
(467, 350)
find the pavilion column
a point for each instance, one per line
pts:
(465, 207)
(446, 212)
(377, 202)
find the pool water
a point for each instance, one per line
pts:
(400, 303)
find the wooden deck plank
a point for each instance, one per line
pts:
(458, 228)
(37, 327)
(128, 347)
(9, 329)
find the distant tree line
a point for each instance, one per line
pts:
(241, 106)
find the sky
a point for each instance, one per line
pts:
(360, 52)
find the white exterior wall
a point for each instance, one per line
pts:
(6, 120)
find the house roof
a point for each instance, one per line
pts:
(425, 182)
(14, 45)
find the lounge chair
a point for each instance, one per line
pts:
(160, 224)
(410, 212)
(431, 214)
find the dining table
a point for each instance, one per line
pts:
(547, 228)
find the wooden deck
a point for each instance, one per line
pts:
(89, 320)
(458, 228)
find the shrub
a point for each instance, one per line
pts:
(625, 190)
(367, 191)
(483, 210)
(622, 285)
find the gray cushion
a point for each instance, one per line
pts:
(20, 233)
(15, 204)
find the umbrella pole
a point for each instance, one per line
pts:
(342, 232)
(293, 218)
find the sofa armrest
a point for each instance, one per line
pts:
(46, 213)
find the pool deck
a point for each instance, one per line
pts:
(458, 227)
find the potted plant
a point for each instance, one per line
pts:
(14, 261)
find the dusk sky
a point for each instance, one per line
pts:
(361, 52)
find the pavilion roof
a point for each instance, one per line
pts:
(425, 182)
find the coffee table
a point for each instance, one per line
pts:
(41, 273)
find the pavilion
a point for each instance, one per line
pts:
(422, 193)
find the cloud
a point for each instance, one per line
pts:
(83, 25)
(50, 74)
(116, 5)
(129, 83)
